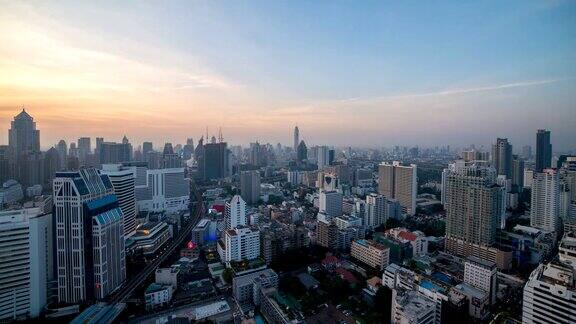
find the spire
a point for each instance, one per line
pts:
(220, 137)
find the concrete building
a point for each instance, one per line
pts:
(545, 201)
(243, 286)
(240, 243)
(543, 150)
(111, 152)
(124, 183)
(26, 262)
(162, 190)
(473, 203)
(550, 294)
(482, 275)
(250, 186)
(411, 307)
(89, 236)
(10, 193)
(371, 253)
(148, 238)
(399, 182)
(157, 295)
(330, 203)
(235, 212)
(502, 157)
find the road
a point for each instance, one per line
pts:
(129, 287)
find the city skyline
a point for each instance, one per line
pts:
(343, 74)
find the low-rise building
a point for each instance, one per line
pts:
(411, 307)
(371, 253)
(157, 295)
(149, 238)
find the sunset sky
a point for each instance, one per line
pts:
(365, 73)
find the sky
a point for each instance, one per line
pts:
(360, 73)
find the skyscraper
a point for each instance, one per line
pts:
(302, 151)
(330, 204)
(323, 157)
(545, 201)
(543, 150)
(473, 204)
(89, 236)
(84, 149)
(517, 173)
(62, 154)
(399, 182)
(123, 182)
(147, 147)
(296, 138)
(235, 212)
(215, 160)
(502, 157)
(111, 152)
(23, 136)
(250, 186)
(27, 262)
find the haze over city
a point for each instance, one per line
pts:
(368, 74)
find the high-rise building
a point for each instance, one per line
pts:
(296, 138)
(323, 157)
(241, 243)
(123, 182)
(89, 236)
(330, 203)
(235, 212)
(327, 234)
(517, 173)
(250, 186)
(99, 141)
(255, 156)
(26, 264)
(543, 150)
(215, 160)
(111, 152)
(399, 182)
(62, 149)
(375, 213)
(302, 151)
(84, 149)
(161, 190)
(23, 136)
(147, 147)
(473, 204)
(502, 157)
(527, 152)
(481, 274)
(545, 201)
(550, 294)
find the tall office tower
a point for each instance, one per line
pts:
(51, 165)
(62, 154)
(26, 263)
(23, 136)
(302, 151)
(24, 142)
(99, 141)
(473, 204)
(543, 150)
(147, 147)
(30, 167)
(502, 157)
(84, 149)
(527, 152)
(375, 213)
(161, 190)
(399, 182)
(188, 149)
(330, 204)
(250, 186)
(255, 154)
(215, 160)
(170, 159)
(111, 152)
(124, 183)
(517, 173)
(481, 274)
(89, 236)
(323, 157)
(235, 212)
(241, 243)
(550, 294)
(72, 150)
(296, 138)
(545, 201)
